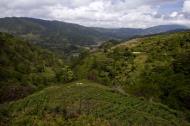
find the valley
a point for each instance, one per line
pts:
(61, 74)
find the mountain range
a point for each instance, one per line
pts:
(65, 37)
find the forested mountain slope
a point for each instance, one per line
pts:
(156, 68)
(58, 36)
(25, 68)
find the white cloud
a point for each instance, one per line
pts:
(101, 13)
(106, 14)
(174, 14)
(186, 6)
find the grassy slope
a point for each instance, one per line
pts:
(87, 103)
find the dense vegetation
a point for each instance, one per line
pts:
(156, 68)
(139, 76)
(85, 103)
(25, 68)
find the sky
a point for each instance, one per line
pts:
(102, 13)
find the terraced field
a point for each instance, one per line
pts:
(88, 104)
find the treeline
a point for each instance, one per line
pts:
(25, 68)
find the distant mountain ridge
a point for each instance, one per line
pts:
(162, 28)
(66, 32)
(65, 37)
(125, 33)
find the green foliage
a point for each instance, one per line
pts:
(64, 74)
(106, 68)
(25, 68)
(156, 68)
(85, 103)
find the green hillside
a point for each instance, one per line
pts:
(145, 82)
(25, 68)
(156, 68)
(84, 103)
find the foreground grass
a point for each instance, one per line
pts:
(84, 103)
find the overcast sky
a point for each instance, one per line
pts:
(102, 13)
